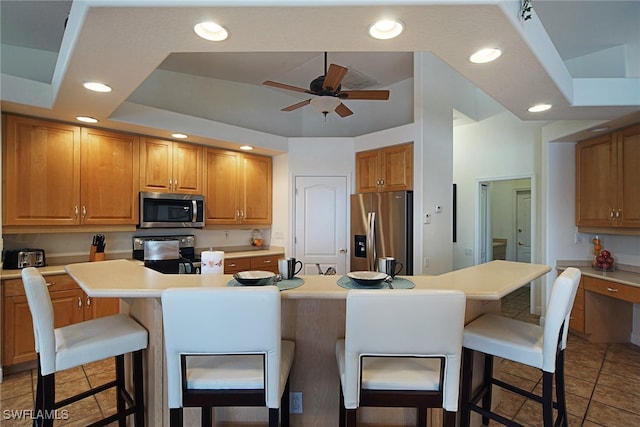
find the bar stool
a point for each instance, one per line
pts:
(401, 349)
(64, 348)
(223, 348)
(541, 347)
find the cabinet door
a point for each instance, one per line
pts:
(596, 182)
(629, 177)
(41, 172)
(256, 190)
(397, 167)
(100, 307)
(155, 165)
(187, 168)
(19, 344)
(221, 184)
(109, 177)
(367, 177)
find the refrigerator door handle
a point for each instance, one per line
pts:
(371, 243)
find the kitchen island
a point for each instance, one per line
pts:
(313, 316)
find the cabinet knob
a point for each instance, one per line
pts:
(618, 213)
(84, 211)
(88, 301)
(51, 283)
(175, 184)
(610, 289)
(79, 303)
(75, 211)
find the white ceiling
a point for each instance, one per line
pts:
(581, 56)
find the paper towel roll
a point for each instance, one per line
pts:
(212, 262)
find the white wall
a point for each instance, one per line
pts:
(500, 147)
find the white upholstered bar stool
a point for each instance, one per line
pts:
(223, 348)
(402, 348)
(64, 348)
(541, 347)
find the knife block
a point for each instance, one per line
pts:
(95, 256)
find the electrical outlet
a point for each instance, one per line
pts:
(427, 218)
(295, 402)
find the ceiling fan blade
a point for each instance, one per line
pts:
(284, 86)
(296, 106)
(376, 95)
(334, 77)
(343, 111)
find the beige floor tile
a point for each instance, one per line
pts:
(16, 385)
(100, 367)
(618, 398)
(610, 416)
(71, 388)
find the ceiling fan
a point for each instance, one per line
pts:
(329, 95)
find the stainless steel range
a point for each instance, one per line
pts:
(167, 254)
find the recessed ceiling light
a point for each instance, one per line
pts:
(485, 55)
(97, 87)
(179, 135)
(86, 119)
(539, 108)
(211, 31)
(386, 29)
(246, 148)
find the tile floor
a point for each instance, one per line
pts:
(603, 384)
(602, 380)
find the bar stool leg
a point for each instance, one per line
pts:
(206, 418)
(351, 417)
(341, 411)
(138, 385)
(284, 406)
(48, 399)
(547, 399)
(488, 376)
(560, 395)
(465, 387)
(274, 415)
(175, 417)
(421, 417)
(120, 387)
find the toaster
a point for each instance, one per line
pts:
(21, 258)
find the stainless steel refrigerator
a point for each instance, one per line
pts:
(382, 226)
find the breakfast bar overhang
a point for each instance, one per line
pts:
(313, 315)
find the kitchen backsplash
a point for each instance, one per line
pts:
(118, 244)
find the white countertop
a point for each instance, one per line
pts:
(626, 275)
(126, 279)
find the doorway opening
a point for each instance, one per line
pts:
(506, 224)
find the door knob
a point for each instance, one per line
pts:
(343, 251)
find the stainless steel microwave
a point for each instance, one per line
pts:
(168, 210)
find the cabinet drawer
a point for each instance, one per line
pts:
(612, 289)
(59, 282)
(268, 263)
(237, 264)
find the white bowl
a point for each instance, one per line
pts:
(367, 278)
(255, 277)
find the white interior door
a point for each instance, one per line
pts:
(523, 226)
(320, 223)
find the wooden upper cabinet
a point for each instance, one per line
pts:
(109, 178)
(41, 172)
(257, 189)
(58, 174)
(385, 169)
(170, 167)
(629, 177)
(608, 180)
(237, 188)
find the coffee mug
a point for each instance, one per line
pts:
(288, 267)
(389, 266)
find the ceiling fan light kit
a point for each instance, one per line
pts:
(325, 104)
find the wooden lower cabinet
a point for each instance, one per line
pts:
(265, 263)
(70, 305)
(603, 310)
